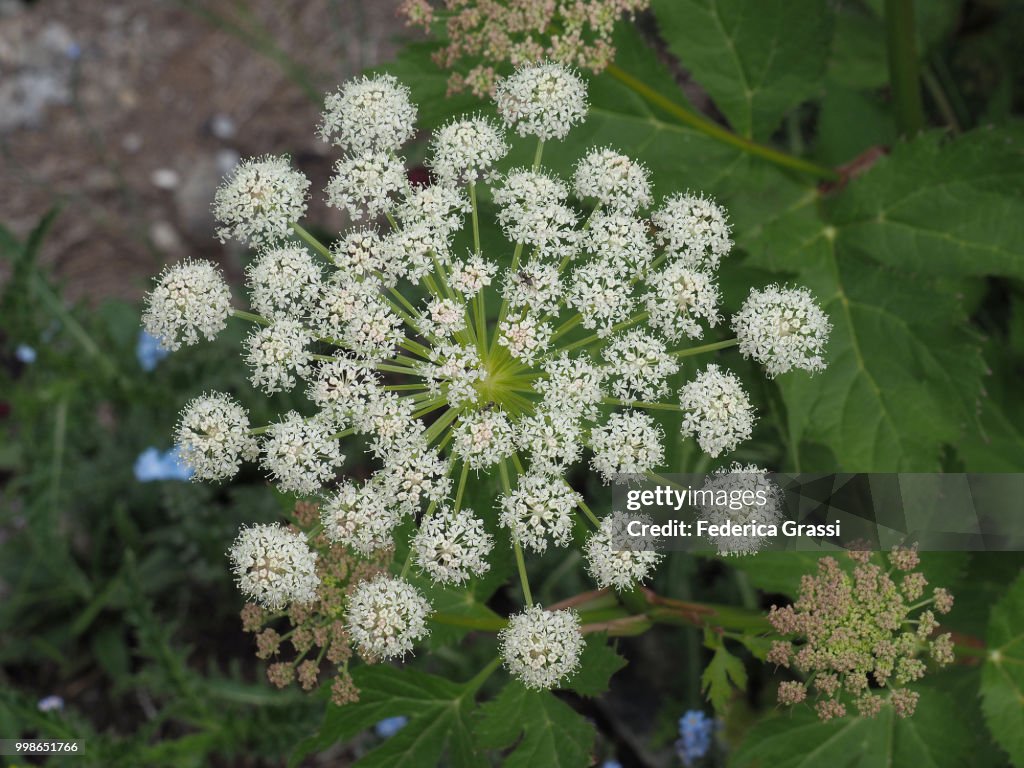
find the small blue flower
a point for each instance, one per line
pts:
(25, 354)
(388, 727)
(148, 351)
(611, 764)
(73, 51)
(153, 464)
(695, 732)
(50, 704)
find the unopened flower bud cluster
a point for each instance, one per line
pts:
(861, 635)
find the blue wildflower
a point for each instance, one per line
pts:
(695, 732)
(148, 351)
(153, 464)
(389, 726)
(50, 704)
(611, 764)
(25, 354)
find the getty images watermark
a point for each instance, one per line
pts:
(742, 510)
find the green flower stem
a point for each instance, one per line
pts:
(428, 282)
(971, 651)
(415, 347)
(471, 622)
(404, 387)
(538, 154)
(638, 318)
(405, 302)
(250, 316)
(642, 404)
(479, 300)
(462, 486)
(520, 562)
(381, 367)
(445, 440)
(662, 480)
(588, 512)
(521, 565)
(706, 348)
(476, 218)
(715, 131)
(442, 423)
(481, 677)
(567, 326)
(516, 254)
(312, 242)
(429, 407)
(901, 40)
(518, 464)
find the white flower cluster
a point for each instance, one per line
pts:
(213, 437)
(525, 359)
(741, 482)
(782, 328)
(274, 566)
(190, 300)
(617, 560)
(386, 617)
(540, 647)
(452, 546)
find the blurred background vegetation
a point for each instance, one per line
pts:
(117, 120)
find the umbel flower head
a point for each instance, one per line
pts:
(725, 504)
(274, 566)
(542, 100)
(484, 37)
(782, 328)
(542, 648)
(617, 560)
(213, 437)
(446, 363)
(190, 300)
(386, 617)
(259, 200)
(856, 636)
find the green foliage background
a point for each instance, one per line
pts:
(914, 244)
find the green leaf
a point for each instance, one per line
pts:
(850, 122)
(598, 662)
(941, 207)
(415, 68)
(757, 59)
(998, 445)
(1002, 677)
(858, 58)
(777, 572)
(904, 369)
(546, 731)
(722, 673)
(438, 712)
(934, 737)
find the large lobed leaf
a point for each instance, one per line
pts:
(935, 737)
(757, 59)
(1002, 677)
(941, 207)
(438, 712)
(545, 731)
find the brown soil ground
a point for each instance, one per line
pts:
(127, 113)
